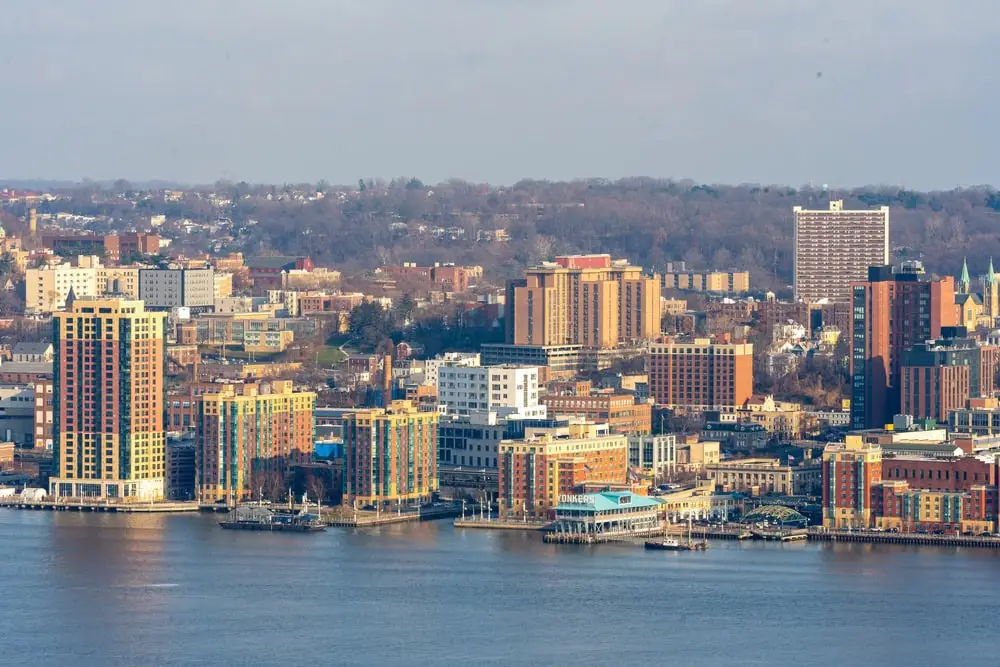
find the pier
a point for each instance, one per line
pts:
(80, 505)
(918, 539)
(497, 524)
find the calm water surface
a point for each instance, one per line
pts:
(93, 589)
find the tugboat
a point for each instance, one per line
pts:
(258, 516)
(673, 544)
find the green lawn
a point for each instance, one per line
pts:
(331, 356)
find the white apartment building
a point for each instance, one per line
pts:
(510, 391)
(45, 290)
(431, 366)
(655, 453)
(834, 248)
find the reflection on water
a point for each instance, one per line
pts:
(177, 590)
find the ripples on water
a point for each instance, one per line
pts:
(93, 589)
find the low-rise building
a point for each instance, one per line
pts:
(653, 454)
(605, 514)
(766, 476)
(622, 412)
(781, 419)
(535, 471)
(736, 436)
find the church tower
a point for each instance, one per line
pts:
(963, 281)
(991, 295)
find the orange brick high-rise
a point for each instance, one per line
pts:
(108, 401)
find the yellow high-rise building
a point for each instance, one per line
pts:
(390, 455)
(586, 300)
(108, 401)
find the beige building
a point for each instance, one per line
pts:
(762, 476)
(733, 282)
(694, 455)
(45, 289)
(673, 306)
(586, 300)
(698, 502)
(318, 278)
(834, 248)
(781, 418)
(223, 285)
(123, 280)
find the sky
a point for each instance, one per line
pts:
(838, 92)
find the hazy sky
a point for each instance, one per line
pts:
(497, 90)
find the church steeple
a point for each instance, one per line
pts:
(991, 276)
(963, 282)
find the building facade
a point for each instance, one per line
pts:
(391, 455)
(729, 282)
(893, 311)
(586, 300)
(177, 288)
(248, 436)
(834, 248)
(850, 471)
(653, 454)
(108, 401)
(621, 412)
(510, 391)
(536, 470)
(698, 374)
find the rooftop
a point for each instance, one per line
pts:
(605, 501)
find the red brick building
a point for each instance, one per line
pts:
(621, 412)
(893, 311)
(699, 374)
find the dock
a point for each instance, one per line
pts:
(368, 519)
(917, 539)
(65, 505)
(625, 536)
(497, 524)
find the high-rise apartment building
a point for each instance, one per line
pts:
(249, 435)
(700, 374)
(586, 300)
(892, 312)
(390, 455)
(850, 469)
(535, 471)
(108, 400)
(834, 248)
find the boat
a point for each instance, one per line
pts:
(673, 544)
(260, 516)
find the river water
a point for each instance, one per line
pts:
(104, 589)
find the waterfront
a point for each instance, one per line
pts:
(87, 589)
